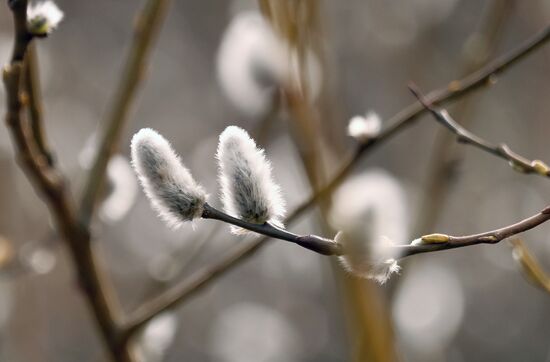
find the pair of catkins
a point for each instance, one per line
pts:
(248, 193)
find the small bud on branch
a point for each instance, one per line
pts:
(43, 18)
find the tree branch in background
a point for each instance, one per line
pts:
(32, 88)
(446, 155)
(437, 242)
(410, 114)
(50, 183)
(529, 265)
(517, 162)
(210, 273)
(146, 28)
(52, 187)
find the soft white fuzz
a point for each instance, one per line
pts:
(248, 191)
(367, 259)
(43, 17)
(251, 60)
(364, 128)
(371, 209)
(168, 184)
(254, 61)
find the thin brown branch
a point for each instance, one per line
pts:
(530, 266)
(32, 88)
(21, 35)
(146, 28)
(501, 150)
(445, 157)
(52, 187)
(210, 273)
(428, 243)
(315, 243)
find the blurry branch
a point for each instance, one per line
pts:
(517, 162)
(445, 156)
(210, 273)
(437, 242)
(50, 183)
(178, 264)
(22, 37)
(190, 286)
(369, 331)
(531, 268)
(409, 114)
(6, 252)
(146, 28)
(32, 88)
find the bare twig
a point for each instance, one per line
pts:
(32, 88)
(446, 242)
(533, 271)
(147, 25)
(445, 156)
(409, 114)
(51, 185)
(315, 243)
(209, 273)
(33, 154)
(518, 162)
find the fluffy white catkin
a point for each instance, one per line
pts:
(168, 184)
(248, 190)
(43, 17)
(371, 210)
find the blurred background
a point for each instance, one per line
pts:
(286, 303)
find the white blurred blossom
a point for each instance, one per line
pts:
(37, 257)
(248, 190)
(250, 332)
(364, 128)
(157, 337)
(168, 184)
(43, 17)
(253, 62)
(428, 308)
(123, 189)
(121, 181)
(371, 209)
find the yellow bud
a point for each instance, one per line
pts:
(540, 167)
(435, 238)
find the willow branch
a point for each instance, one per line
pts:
(501, 150)
(531, 268)
(315, 243)
(32, 88)
(146, 29)
(51, 185)
(445, 156)
(455, 89)
(406, 117)
(490, 237)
